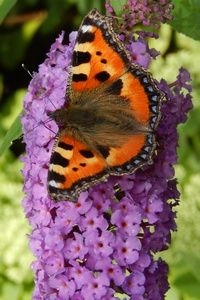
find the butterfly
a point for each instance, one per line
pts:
(107, 125)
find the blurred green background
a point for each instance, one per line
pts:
(28, 28)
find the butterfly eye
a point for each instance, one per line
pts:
(49, 113)
(57, 116)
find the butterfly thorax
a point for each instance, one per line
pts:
(108, 122)
(74, 117)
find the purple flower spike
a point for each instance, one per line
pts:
(103, 245)
(151, 12)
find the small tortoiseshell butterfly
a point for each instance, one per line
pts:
(107, 125)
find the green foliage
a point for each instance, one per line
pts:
(13, 133)
(5, 7)
(15, 277)
(192, 286)
(187, 17)
(190, 143)
(118, 5)
(85, 6)
(183, 255)
(9, 113)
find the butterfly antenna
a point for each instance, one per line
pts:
(44, 124)
(52, 104)
(27, 70)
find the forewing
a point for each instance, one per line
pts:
(99, 56)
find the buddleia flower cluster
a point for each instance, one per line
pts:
(103, 245)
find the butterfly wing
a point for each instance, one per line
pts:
(73, 168)
(145, 99)
(99, 56)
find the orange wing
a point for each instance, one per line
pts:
(145, 99)
(99, 56)
(73, 168)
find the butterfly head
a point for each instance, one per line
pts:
(60, 117)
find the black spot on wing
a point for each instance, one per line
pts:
(65, 146)
(115, 88)
(99, 53)
(86, 153)
(83, 164)
(80, 57)
(54, 191)
(79, 77)
(52, 175)
(104, 61)
(84, 37)
(103, 150)
(75, 169)
(58, 159)
(102, 76)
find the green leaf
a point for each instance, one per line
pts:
(10, 291)
(188, 285)
(187, 17)
(118, 6)
(172, 294)
(13, 133)
(5, 7)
